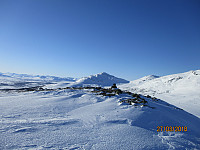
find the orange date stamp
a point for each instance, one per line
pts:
(172, 128)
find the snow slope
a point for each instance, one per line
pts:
(101, 79)
(182, 90)
(79, 119)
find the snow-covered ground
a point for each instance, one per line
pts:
(79, 119)
(182, 90)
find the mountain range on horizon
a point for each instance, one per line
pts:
(24, 76)
(100, 79)
(180, 89)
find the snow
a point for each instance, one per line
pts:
(14, 81)
(181, 90)
(35, 77)
(101, 79)
(79, 119)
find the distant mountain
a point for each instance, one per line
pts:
(34, 77)
(14, 80)
(101, 79)
(180, 89)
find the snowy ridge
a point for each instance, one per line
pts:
(101, 79)
(181, 89)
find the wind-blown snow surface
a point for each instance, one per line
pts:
(182, 90)
(79, 119)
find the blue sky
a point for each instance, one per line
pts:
(126, 38)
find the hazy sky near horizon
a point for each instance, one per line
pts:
(125, 38)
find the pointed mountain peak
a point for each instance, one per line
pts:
(101, 79)
(103, 73)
